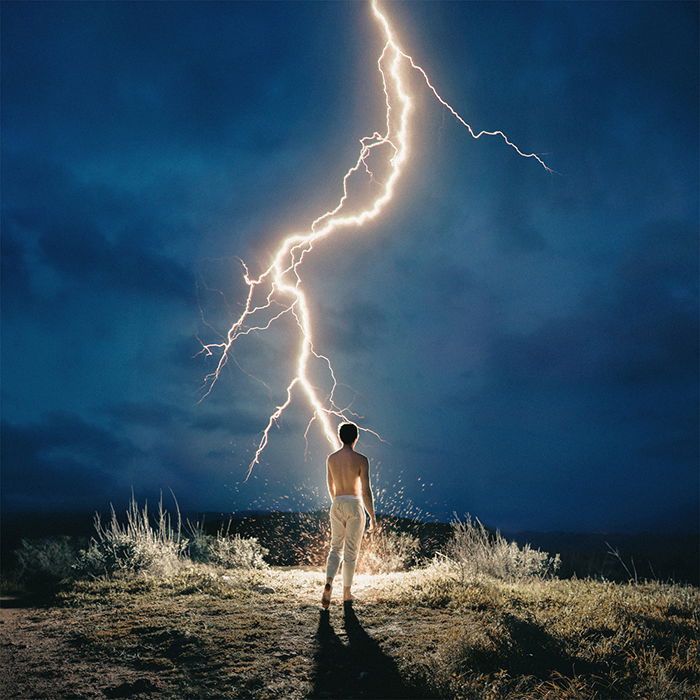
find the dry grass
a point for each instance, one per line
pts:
(208, 632)
(473, 551)
(134, 544)
(484, 620)
(563, 638)
(140, 543)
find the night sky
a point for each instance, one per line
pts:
(525, 342)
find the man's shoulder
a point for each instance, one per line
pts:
(356, 455)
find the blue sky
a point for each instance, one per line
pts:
(527, 343)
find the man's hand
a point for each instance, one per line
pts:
(372, 527)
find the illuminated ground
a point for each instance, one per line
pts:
(221, 634)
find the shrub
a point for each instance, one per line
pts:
(133, 546)
(44, 562)
(230, 552)
(386, 551)
(475, 551)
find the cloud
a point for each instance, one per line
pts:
(150, 138)
(153, 414)
(603, 399)
(354, 327)
(511, 219)
(60, 462)
(89, 234)
(15, 276)
(644, 330)
(231, 420)
(85, 255)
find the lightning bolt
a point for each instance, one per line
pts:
(278, 289)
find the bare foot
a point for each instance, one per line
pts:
(347, 596)
(326, 597)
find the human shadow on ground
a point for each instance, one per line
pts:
(358, 669)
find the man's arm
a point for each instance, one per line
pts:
(367, 497)
(329, 480)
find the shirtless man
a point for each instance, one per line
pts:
(348, 486)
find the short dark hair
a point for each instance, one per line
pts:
(347, 433)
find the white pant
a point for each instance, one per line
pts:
(347, 528)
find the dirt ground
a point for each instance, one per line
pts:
(37, 659)
(213, 633)
(270, 641)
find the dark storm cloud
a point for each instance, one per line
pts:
(66, 431)
(682, 445)
(357, 326)
(643, 329)
(449, 285)
(88, 234)
(536, 349)
(153, 414)
(85, 255)
(516, 232)
(594, 405)
(60, 462)
(130, 75)
(230, 420)
(433, 281)
(16, 277)
(614, 383)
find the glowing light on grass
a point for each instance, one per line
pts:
(279, 287)
(296, 530)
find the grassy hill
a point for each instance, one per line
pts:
(155, 610)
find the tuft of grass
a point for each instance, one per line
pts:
(474, 551)
(386, 551)
(154, 546)
(133, 545)
(42, 565)
(206, 632)
(141, 544)
(485, 619)
(224, 550)
(539, 638)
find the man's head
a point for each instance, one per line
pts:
(348, 433)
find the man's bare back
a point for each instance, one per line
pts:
(346, 466)
(348, 475)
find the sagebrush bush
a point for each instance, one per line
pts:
(386, 551)
(46, 561)
(134, 545)
(474, 551)
(228, 551)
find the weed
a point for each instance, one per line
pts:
(44, 563)
(227, 551)
(474, 551)
(134, 545)
(386, 551)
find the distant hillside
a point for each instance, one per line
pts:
(659, 556)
